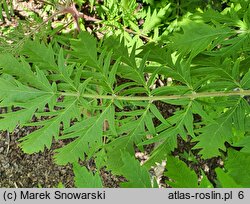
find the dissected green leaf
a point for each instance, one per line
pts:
(37, 140)
(87, 141)
(84, 49)
(226, 181)
(85, 179)
(238, 166)
(198, 37)
(40, 54)
(137, 176)
(182, 176)
(213, 136)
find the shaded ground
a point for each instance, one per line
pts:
(37, 170)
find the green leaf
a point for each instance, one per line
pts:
(137, 175)
(133, 74)
(198, 37)
(40, 54)
(111, 120)
(245, 82)
(136, 135)
(168, 90)
(205, 183)
(87, 141)
(212, 139)
(120, 50)
(112, 73)
(149, 124)
(156, 52)
(10, 88)
(84, 49)
(182, 176)
(214, 135)
(10, 120)
(161, 151)
(6, 9)
(226, 181)
(198, 109)
(154, 19)
(238, 167)
(106, 64)
(177, 171)
(157, 114)
(85, 179)
(37, 140)
(232, 46)
(23, 72)
(244, 143)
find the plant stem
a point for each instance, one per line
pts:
(159, 98)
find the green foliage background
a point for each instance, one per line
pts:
(101, 93)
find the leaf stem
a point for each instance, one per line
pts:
(159, 98)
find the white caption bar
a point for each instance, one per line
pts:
(128, 196)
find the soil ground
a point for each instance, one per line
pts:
(20, 170)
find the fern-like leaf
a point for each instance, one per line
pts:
(88, 141)
(85, 179)
(137, 176)
(237, 168)
(198, 37)
(182, 176)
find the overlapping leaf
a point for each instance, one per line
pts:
(84, 49)
(85, 179)
(182, 176)
(237, 168)
(214, 135)
(137, 176)
(37, 140)
(197, 37)
(88, 140)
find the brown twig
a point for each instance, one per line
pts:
(71, 9)
(77, 15)
(45, 2)
(8, 140)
